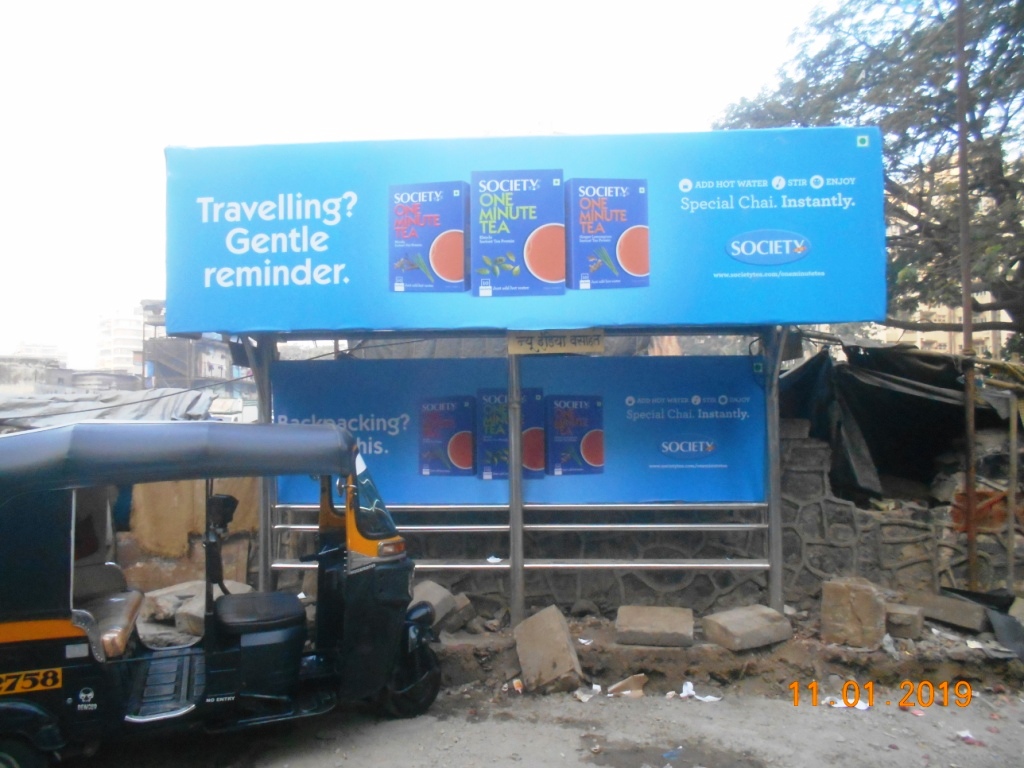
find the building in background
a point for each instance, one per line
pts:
(206, 362)
(135, 353)
(120, 341)
(986, 343)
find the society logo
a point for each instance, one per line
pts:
(766, 247)
(686, 447)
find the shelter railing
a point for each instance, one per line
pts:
(556, 519)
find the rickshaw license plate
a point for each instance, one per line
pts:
(32, 680)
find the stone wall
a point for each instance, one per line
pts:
(901, 546)
(824, 536)
(607, 589)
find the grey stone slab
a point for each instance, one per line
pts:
(904, 620)
(654, 625)
(752, 626)
(951, 610)
(460, 615)
(546, 653)
(442, 601)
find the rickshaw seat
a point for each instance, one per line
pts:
(97, 579)
(100, 589)
(252, 612)
(115, 617)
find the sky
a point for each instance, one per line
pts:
(93, 92)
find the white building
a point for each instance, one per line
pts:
(986, 343)
(120, 341)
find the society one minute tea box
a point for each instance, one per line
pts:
(492, 457)
(517, 233)
(446, 435)
(575, 434)
(608, 235)
(427, 248)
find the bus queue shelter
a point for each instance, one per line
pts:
(726, 231)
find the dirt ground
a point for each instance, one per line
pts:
(479, 719)
(471, 726)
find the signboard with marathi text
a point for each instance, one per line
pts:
(661, 230)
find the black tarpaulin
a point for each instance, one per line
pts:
(886, 411)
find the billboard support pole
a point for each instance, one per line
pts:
(261, 355)
(517, 602)
(775, 340)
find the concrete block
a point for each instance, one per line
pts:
(852, 613)
(951, 610)
(439, 598)
(460, 615)
(904, 620)
(546, 653)
(654, 625)
(751, 626)
(794, 429)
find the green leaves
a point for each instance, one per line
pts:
(602, 253)
(422, 265)
(892, 63)
(500, 265)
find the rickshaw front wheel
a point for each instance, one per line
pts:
(415, 699)
(15, 753)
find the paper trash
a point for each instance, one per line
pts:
(632, 687)
(687, 692)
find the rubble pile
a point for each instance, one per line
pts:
(856, 626)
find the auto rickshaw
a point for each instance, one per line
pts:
(74, 670)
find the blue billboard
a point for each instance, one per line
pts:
(610, 430)
(720, 228)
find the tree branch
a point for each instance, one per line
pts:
(915, 325)
(990, 306)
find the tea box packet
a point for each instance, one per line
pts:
(446, 436)
(607, 245)
(517, 233)
(427, 246)
(574, 427)
(492, 457)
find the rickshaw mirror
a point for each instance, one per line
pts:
(220, 510)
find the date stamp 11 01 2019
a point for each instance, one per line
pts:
(922, 693)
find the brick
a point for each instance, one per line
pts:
(904, 620)
(654, 625)
(546, 653)
(951, 610)
(852, 613)
(751, 626)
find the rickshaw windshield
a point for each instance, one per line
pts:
(373, 519)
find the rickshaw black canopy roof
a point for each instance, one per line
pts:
(122, 453)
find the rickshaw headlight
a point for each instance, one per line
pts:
(391, 547)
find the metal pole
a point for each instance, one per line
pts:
(965, 281)
(517, 588)
(260, 357)
(775, 341)
(1011, 495)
